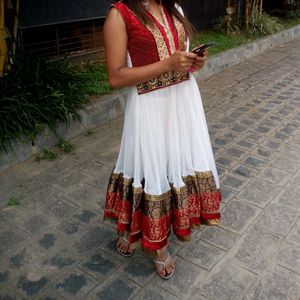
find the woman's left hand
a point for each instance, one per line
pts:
(199, 61)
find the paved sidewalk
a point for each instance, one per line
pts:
(54, 245)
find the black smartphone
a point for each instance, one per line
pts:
(201, 48)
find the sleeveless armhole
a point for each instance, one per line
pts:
(122, 9)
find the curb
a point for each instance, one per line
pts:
(229, 58)
(111, 106)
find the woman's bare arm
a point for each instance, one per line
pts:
(119, 75)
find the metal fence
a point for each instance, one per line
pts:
(70, 38)
(78, 37)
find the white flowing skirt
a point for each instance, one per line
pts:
(165, 137)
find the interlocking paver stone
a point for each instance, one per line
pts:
(237, 215)
(277, 218)
(290, 198)
(227, 194)
(235, 152)
(275, 283)
(289, 257)
(152, 293)
(285, 165)
(275, 176)
(269, 189)
(225, 161)
(255, 162)
(254, 137)
(10, 215)
(35, 223)
(32, 286)
(262, 152)
(61, 260)
(60, 209)
(294, 235)
(55, 244)
(37, 199)
(256, 197)
(233, 182)
(10, 238)
(117, 288)
(201, 254)
(86, 216)
(92, 238)
(244, 171)
(218, 236)
(293, 187)
(256, 249)
(228, 282)
(85, 196)
(140, 269)
(247, 144)
(100, 265)
(71, 181)
(93, 167)
(74, 285)
(280, 136)
(272, 144)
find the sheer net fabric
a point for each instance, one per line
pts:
(165, 176)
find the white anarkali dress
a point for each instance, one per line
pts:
(165, 176)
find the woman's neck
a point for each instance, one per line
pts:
(153, 2)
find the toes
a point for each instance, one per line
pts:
(124, 248)
(131, 249)
(170, 267)
(162, 271)
(119, 244)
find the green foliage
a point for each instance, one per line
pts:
(37, 93)
(66, 146)
(13, 201)
(223, 41)
(294, 14)
(221, 26)
(46, 154)
(96, 82)
(264, 24)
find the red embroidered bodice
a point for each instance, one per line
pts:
(149, 44)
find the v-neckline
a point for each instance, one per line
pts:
(166, 28)
(154, 16)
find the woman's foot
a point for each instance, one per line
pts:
(164, 265)
(124, 247)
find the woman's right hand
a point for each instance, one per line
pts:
(181, 61)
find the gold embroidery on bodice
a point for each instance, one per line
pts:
(172, 77)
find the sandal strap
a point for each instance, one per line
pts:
(125, 239)
(163, 263)
(160, 262)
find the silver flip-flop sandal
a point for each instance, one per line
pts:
(164, 263)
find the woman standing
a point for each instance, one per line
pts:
(165, 175)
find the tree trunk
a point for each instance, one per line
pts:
(260, 3)
(2, 41)
(246, 14)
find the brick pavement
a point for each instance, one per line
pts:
(54, 245)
